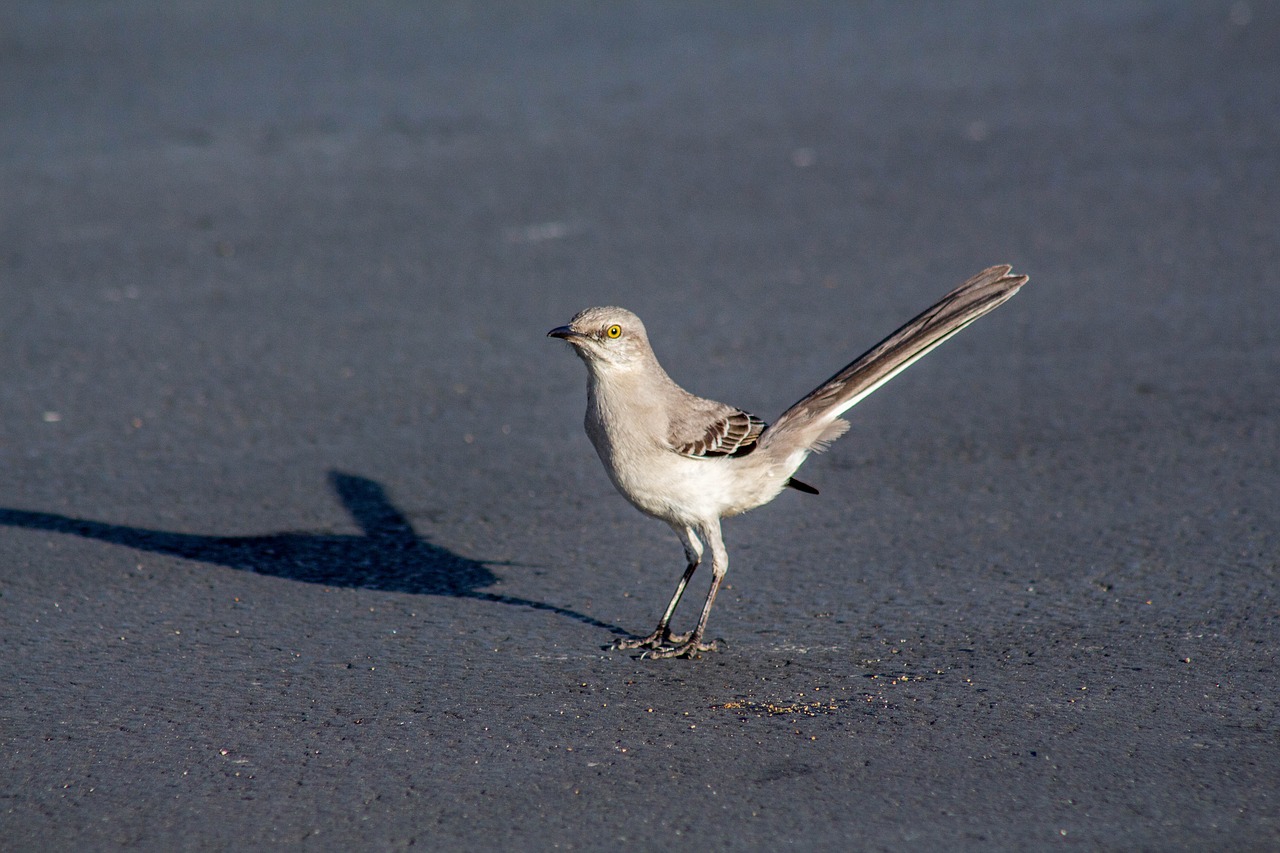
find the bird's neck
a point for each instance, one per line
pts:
(622, 398)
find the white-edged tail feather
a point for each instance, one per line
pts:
(814, 422)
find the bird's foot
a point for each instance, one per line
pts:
(683, 648)
(663, 644)
(657, 640)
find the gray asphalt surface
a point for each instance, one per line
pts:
(302, 544)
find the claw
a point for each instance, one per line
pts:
(687, 649)
(657, 640)
(662, 644)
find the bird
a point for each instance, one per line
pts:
(691, 462)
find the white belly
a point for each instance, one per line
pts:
(682, 490)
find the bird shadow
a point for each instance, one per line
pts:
(387, 555)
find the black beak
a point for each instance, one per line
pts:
(564, 333)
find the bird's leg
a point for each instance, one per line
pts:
(661, 636)
(691, 644)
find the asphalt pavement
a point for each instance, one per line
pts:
(302, 543)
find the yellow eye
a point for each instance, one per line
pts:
(614, 331)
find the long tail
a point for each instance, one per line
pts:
(815, 421)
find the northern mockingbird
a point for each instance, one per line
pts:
(691, 462)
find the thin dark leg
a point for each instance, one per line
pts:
(691, 644)
(661, 635)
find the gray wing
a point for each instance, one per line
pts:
(730, 432)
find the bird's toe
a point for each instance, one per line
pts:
(687, 649)
(656, 640)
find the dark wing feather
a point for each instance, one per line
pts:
(733, 434)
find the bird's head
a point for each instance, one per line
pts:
(606, 337)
